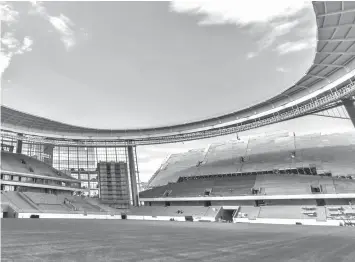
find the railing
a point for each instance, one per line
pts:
(50, 186)
(30, 175)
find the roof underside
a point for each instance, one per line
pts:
(334, 58)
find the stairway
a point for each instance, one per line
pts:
(253, 215)
(29, 201)
(321, 214)
(21, 204)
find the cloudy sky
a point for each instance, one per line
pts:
(143, 64)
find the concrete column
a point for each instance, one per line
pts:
(349, 105)
(132, 174)
(19, 145)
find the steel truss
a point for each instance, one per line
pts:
(309, 106)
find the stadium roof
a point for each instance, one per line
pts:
(333, 65)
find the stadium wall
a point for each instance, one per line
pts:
(156, 218)
(252, 198)
(306, 222)
(68, 216)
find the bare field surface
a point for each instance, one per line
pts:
(123, 240)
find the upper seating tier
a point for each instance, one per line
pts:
(334, 153)
(24, 164)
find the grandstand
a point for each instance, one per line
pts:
(50, 169)
(289, 179)
(311, 154)
(18, 170)
(30, 186)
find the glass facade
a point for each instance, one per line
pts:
(81, 163)
(8, 144)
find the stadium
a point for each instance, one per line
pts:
(59, 172)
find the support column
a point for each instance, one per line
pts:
(19, 145)
(132, 173)
(349, 105)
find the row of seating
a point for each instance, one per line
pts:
(286, 212)
(277, 212)
(219, 186)
(177, 211)
(250, 212)
(242, 185)
(344, 212)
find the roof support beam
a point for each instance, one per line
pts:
(303, 87)
(336, 53)
(337, 12)
(331, 65)
(338, 117)
(337, 40)
(289, 97)
(320, 77)
(335, 26)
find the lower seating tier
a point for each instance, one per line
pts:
(174, 211)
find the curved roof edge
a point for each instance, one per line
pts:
(333, 65)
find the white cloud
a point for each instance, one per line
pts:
(26, 45)
(281, 70)
(8, 14)
(291, 47)
(9, 42)
(237, 12)
(4, 62)
(38, 8)
(271, 17)
(277, 31)
(251, 55)
(10, 46)
(62, 24)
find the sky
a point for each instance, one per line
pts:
(144, 64)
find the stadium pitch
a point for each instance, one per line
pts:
(110, 240)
